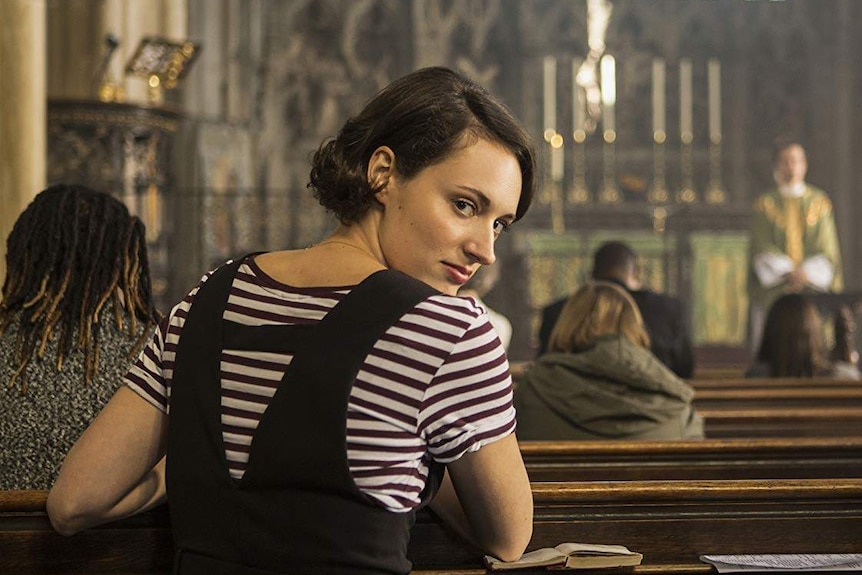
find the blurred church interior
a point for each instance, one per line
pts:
(654, 123)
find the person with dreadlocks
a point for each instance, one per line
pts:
(76, 310)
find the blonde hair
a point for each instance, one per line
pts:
(598, 308)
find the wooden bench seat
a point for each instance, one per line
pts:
(29, 545)
(670, 522)
(780, 421)
(695, 459)
(760, 397)
(673, 522)
(773, 382)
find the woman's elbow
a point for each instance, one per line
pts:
(512, 547)
(61, 519)
(511, 541)
(66, 516)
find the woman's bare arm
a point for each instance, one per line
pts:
(486, 497)
(115, 469)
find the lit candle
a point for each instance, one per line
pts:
(685, 111)
(549, 76)
(579, 104)
(609, 94)
(658, 105)
(714, 80)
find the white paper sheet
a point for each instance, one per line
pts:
(798, 562)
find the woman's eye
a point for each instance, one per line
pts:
(500, 226)
(465, 207)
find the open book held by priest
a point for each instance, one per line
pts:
(570, 556)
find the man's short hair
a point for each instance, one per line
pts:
(614, 261)
(782, 143)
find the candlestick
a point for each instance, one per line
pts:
(685, 111)
(714, 81)
(579, 194)
(549, 69)
(579, 105)
(555, 188)
(609, 193)
(659, 219)
(558, 222)
(657, 193)
(686, 193)
(609, 96)
(715, 193)
(658, 100)
(557, 158)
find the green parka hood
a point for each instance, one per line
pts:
(614, 389)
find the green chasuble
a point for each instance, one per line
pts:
(815, 233)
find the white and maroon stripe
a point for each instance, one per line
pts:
(437, 382)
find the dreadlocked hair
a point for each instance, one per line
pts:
(69, 253)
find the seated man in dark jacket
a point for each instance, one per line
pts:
(664, 316)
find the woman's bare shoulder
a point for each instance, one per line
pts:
(316, 268)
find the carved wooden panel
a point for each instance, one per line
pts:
(124, 150)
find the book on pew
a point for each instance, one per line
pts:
(570, 556)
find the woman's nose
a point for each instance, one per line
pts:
(481, 248)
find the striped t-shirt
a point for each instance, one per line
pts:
(435, 386)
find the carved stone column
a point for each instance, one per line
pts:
(22, 110)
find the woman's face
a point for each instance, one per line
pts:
(440, 225)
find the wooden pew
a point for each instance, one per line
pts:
(670, 522)
(718, 372)
(782, 422)
(779, 407)
(783, 397)
(696, 459)
(773, 382)
(29, 545)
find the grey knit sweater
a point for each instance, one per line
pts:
(37, 428)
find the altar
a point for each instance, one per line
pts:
(687, 257)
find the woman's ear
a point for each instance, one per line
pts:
(381, 166)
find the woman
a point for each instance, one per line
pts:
(76, 310)
(793, 343)
(364, 328)
(600, 381)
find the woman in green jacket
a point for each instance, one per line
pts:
(599, 379)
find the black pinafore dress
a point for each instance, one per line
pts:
(296, 508)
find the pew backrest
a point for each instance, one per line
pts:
(670, 522)
(772, 382)
(673, 522)
(779, 421)
(693, 459)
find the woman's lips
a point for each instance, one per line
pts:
(458, 274)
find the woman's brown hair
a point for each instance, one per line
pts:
(792, 343)
(597, 309)
(423, 117)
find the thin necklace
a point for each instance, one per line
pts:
(348, 244)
